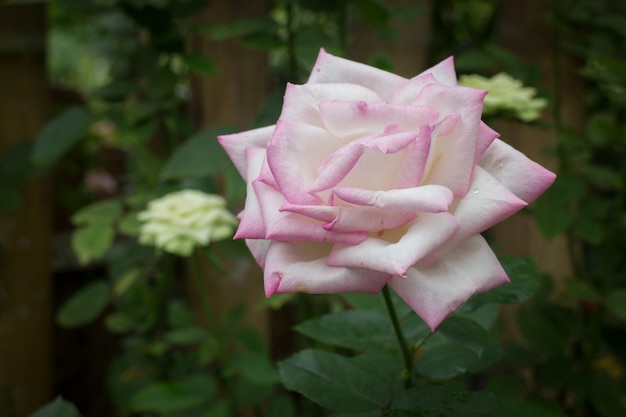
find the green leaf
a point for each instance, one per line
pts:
(174, 396)
(382, 61)
(446, 361)
(265, 41)
(234, 184)
(103, 212)
(527, 408)
(16, 164)
(580, 290)
(466, 333)
(60, 134)
(601, 129)
(118, 323)
(352, 329)
(552, 211)
(485, 316)
(188, 335)
(589, 230)
(178, 314)
(200, 155)
(270, 109)
(281, 406)
(547, 329)
(57, 408)
(602, 177)
(374, 413)
(331, 381)
(126, 281)
(26, 1)
(219, 408)
(376, 303)
(249, 394)
(277, 301)
(372, 12)
(443, 401)
(92, 242)
(552, 219)
(254, 367)
(615, 301)
(138, 112)
(606, 395)
(10, 198)
(554, 372)
(201, 64)
(84, 306)
(242, 27)
(525, 281)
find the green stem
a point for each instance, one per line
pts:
(204, 296)
(408, 363)
(214, 329)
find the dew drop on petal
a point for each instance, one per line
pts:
(476, 190)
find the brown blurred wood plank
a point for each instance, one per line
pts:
(232, 98)
(525, 30)
(236, 94)
(25, 281)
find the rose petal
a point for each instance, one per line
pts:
(426, 198)
(438, 290)
(358, 118)
(444, 72)
(235, 145)
(332, 69)
(525, 178)
(251, 224)
(452, 154)
(258, 249)
(292, 227)
(353, 219)
(301, 101)
(487, 203)
(294, 153)
(301, 267)
(484, 139)
(409, 91)
(374, 150)
(425, 234)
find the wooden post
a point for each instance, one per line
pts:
(25, 281)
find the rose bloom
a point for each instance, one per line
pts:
(370, 179)
(506, 94)
(180, 221)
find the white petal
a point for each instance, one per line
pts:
(438, 290)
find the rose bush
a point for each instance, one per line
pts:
(182, 220)
(370, 179)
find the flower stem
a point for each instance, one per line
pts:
(214, 328)
(204, 295)
(408, 363)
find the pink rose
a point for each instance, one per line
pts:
(369, 179)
